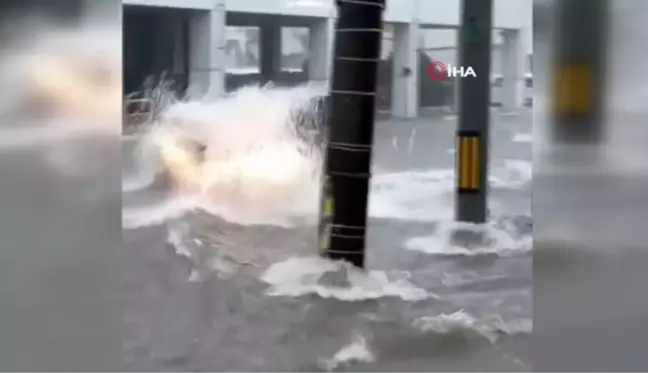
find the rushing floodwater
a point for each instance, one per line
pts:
(223, 284)
(227, 285)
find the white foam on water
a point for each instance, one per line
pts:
(498, 241)
(298, 276)
(412, 195)
(176, 237)
(428, 195)
(490, 327)
(220, 260)
(158, 213)
(139, 181)
(448, 323)
(356, 351)
(515, 174)
(146, 166)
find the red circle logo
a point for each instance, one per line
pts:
(437, 70)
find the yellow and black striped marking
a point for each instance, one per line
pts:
(573, 90)
(326, 218)
(468, 163)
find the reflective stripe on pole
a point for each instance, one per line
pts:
(468, 163)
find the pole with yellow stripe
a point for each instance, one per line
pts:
(474, 112)
(468, 161)
(578, 75)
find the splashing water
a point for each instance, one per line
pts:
(241, 159)
(252, 166)
(461, 321)
(302, 276)
(497, 240)
(357, 351)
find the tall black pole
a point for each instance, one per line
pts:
(474, 111)
(358, 38)
(579, 72)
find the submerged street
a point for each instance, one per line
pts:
(276, 302)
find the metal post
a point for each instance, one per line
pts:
(474, 111)
(350, 130)
(579, 72)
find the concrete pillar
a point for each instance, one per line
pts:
(321, 50)
(513, 70)
(270, 51)
(405, 83)
(207, 52)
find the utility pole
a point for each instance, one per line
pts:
(351, 115)
(474, 112)
(579, 72)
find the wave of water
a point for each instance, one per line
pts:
(356, 351)
(496, 239)
(142, 165)
(461, 321)
(287, 275)
(304, 276)
(175, 207)
(426, 195)
(257, 169)
(413, 196)
(285, 184)
(277, 183)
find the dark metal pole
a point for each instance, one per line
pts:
(474, 111)
(579, 72)
(350, 130)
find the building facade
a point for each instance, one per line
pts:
(209, 42)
